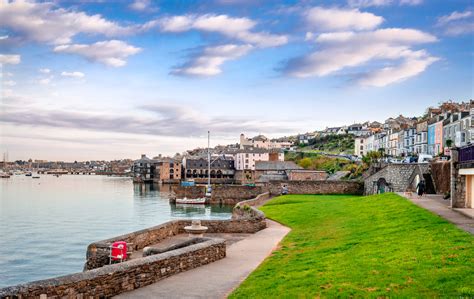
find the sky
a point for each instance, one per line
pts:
(93, 80)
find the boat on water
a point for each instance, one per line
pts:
(29, 174)
(5, 175)
(194, 201)
(201, 200)
(35, 177)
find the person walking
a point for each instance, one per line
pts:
(421, 188)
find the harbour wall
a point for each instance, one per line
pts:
(233, 194)
(114, 279)
(316, 187)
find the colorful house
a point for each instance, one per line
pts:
(435, 138)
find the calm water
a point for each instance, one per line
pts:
(47, 223)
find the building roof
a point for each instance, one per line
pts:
(276, 165)
(260, 138)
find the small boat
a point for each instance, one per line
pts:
(29, 174)
(35, 177)
(4, 176)
(195, 201)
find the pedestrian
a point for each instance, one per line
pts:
(421, 188)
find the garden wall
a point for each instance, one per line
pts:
(316, 187)
(98, 252)
(112, 280)
(221, 194)
(441, 173)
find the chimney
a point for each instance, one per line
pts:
(143, 156)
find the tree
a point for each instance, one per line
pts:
(449, 142)
(305, 163)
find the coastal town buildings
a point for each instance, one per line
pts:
(450, 124)
(157, 170)
(435, 137)
(222, 167)
(421, 139)
(360, 148)
(261, 141)
(245, 159)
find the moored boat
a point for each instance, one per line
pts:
(198, 201)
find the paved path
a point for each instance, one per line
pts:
(441, 207)
(218, 279)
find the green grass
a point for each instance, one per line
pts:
(352, 246)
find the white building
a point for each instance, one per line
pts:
(245, 159)
(261, 141)
(360, 148)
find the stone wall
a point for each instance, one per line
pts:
(400, 177)
(112, 280)
(441, 173)
(98, 252)
(307, 175)
(316, 187)
(458, 182)
(221, 194)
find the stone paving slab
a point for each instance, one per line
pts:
(441, 208)
(218, 279)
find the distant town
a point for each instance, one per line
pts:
(334, 151)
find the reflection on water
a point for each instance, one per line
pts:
(47, 223)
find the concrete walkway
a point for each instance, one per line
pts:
(218, 279)
(439, 206)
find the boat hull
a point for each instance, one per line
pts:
(194, 201)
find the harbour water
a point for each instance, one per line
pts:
(47, 223)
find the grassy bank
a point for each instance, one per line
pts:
(348, 246)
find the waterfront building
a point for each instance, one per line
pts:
(360, 148)
(393, 148)
(222, 167)
(435, 137)
(261, 141)
(456, 129)
(245, 159)
(143, 169)
(421, 140)
(409, 140)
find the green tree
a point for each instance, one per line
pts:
(305, 163)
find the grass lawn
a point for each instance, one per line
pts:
(353, 246)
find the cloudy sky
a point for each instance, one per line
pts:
(106, 80)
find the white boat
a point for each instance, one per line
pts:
(208, 193)
(195, 201)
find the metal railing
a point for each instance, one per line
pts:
(466, 154)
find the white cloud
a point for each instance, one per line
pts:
(45, 71)
(44, 81)
(9, 83)
(73, 74)
(210, 60)
(112, 53)
(3, 37)
(367, 3)
(411, 2)
(140, 5)
(341, 50)
(341, 19)
(457, 23)
(6, 74)
(454, 16)
(235, 28)
(388, 75)
(9, 59)
(42, 22)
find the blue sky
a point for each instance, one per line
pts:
(95, 80)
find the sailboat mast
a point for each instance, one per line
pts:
(208, 158)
